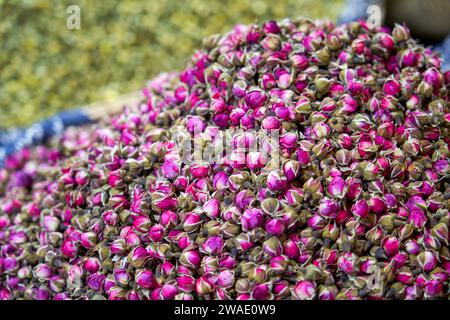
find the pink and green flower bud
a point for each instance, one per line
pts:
(291, 169)
(412, 247)
(303, 157)
(337, 188)
(391, 246)
(261, 291)
(433, 288)
(168, 292)
(348, 262)
(156, 233)
(320, 130)
(190, 258)
(304, 290)
(110, 217)
(328, 208)
(212, 208)
(42, 272)
(139, 256)
(199, 170)
(405, 276)
(144, 278)
(191, 222)
(50, 223)
(225, 279)
(69, 249)
(275, 227)
(251, 218)
(299, 61)
(88, 239)
(361, 209)
(186, 283)
(440, 231)
(92, 264)
(121, 276)
(317, 222)
(376, 205)
(327, 293)
(417, 218)
(427, 260)
(213, 245)
(203, 286)
(291, 249)
(170, 169)
(255, 99)
(433, 77)
(279, 264)
(272, 246)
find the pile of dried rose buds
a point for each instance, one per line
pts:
(356, 207)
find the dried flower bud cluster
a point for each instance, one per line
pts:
(357, 207)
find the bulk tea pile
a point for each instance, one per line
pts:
(355, 208)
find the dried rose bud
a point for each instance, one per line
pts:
(304, 290)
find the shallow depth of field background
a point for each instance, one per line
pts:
(45, 67)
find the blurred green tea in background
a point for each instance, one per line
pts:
(45, 67)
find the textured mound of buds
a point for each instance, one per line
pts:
(356, 207)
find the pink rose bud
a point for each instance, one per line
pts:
(304, 290)
(328, 208)
(169, 291)
(321, 130)
(291, 249)
(142, 223)
(405, 277)
(213, 245)
(261, 292)
(376, 205)
(110, 217)
(203, 286)
(433, 77)
(330, 256)
(299, 61)
(347, 262)
(170, 169)
(225, 279)
(195, 124)
(121, 276)
(186, 283)
(433, 288)
(251, 218)
(291, 169)
(92, 264)
(412, 247)
(69, 249)
(361, 209)
(391, 246)
(169, 219)
(220, 180)
(427, 261)
(50, 223)
(417, 218)
(156, 233)
(391, 87)
(303, 157)
(271, 123)
(42, 271)
(317, 222)
(255, 98)
(199, 170)
(255, 160)
(336, 188)
(190, 258)
(275, 227)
